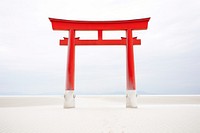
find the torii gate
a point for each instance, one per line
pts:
(73, 25)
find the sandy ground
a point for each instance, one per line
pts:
(100, 114)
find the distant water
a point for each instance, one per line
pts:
(100, 93)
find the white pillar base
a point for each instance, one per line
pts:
(69, 99)
(131, 99)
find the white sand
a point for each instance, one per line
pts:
(100, 114)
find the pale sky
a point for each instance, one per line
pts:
(32, 62)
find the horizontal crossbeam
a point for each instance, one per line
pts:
(122, 41)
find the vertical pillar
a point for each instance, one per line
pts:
(69, 92)
(131, 100)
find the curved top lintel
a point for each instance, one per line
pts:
(106, 21)
(134, 24)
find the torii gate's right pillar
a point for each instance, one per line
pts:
(131, 100)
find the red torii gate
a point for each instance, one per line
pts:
(73, 25)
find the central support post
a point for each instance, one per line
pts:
(100, 35)
(131, 100)
(69, 92)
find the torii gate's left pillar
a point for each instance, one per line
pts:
(69, 91)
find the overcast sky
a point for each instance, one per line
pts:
(32, 62)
